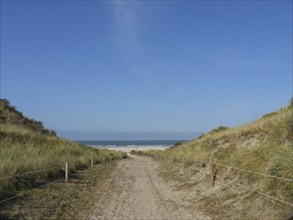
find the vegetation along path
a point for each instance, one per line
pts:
(138, 192)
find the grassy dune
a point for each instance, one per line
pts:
(263, 146)
(26, 146)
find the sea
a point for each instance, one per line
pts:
(130, 143)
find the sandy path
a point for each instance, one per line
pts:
(139, 193)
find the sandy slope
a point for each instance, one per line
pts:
(138, 192)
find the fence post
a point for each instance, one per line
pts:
(214, 171)
(92, 162)
(103, 160)
(110, 159)
(66, 171)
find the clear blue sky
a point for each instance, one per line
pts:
(145, 69)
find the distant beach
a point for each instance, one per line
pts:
(129, 145)
(139, 148)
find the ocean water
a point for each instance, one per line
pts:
(131, 143)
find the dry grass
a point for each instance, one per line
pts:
(26, 146)
(75, 199)
(264, 146)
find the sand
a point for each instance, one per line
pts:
(139, 148)
(138, 192)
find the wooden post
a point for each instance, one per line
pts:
(110, 159)
(103, 160)
(66, 171)
(92, 162)
(214, 171)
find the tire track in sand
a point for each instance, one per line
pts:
(138, 192)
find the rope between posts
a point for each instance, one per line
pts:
(256, 191)
(32, 172)
(29, 191)
(249, 171)
(37, 171)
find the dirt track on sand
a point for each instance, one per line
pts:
(138, 192)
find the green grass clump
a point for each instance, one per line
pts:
(26, 146)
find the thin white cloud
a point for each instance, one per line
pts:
(129, 28)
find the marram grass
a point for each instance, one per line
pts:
(264, 146)
(26, 146)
